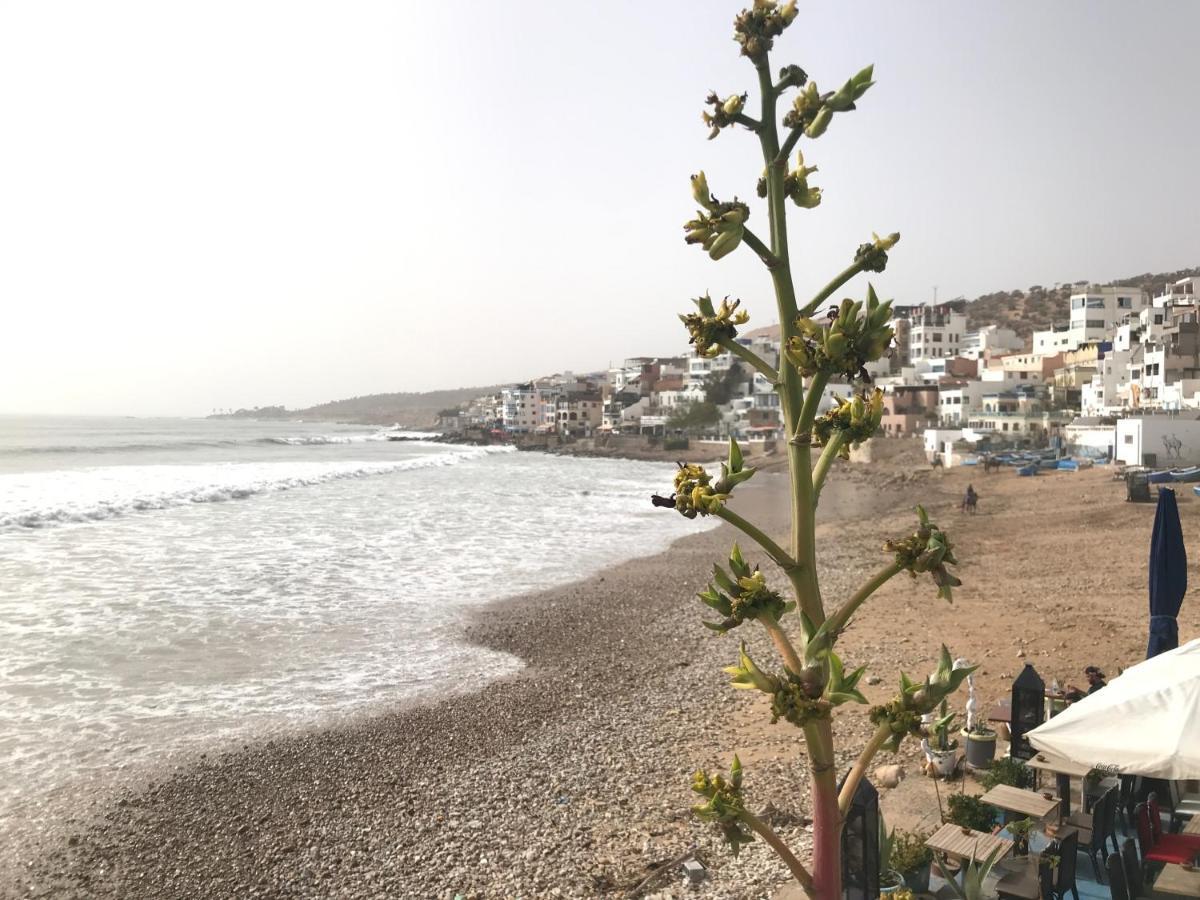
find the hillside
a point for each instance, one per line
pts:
(1037, 307)
(409, 409)
(1033, 309)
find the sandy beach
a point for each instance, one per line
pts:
(571, 779)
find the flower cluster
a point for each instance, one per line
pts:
(719, 227)
(927, 549)
(854, 337)
(725, 806)
(724, 112)
(697, 494)
(903, 714)
(709, 327)
(795, 185)
(757, 27)
(800, 698)
(873, 257)
(856, 419)
(812, 111)
(743, 596)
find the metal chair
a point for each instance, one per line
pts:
(1116, 878)
(1065, 878)
(1133, 868)
(1093, 834)
(1183, 806)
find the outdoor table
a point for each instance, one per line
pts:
(1175, 879)
(1023, 803)
(1001, 711)
(950, 840)
(1063, 769)
(1193, 826)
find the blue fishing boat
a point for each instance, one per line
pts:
(1161, 477)
(1031, 469)
(1191, 473)
(1068, 465)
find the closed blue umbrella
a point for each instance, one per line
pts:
(1168, 575)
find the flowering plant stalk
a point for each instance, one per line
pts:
(809, 679)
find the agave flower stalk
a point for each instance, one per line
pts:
(820, 343)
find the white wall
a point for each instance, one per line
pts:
(1137, 437)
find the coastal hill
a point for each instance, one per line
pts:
(1035, 308)
(415, 410)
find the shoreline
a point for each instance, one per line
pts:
(572, 775)
(305, 832)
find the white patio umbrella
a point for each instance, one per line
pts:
(1145, 722)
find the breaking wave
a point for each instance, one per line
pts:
(47, 499)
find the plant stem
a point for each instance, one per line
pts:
(821, 297)
(783, 644)
(839, 619)
(752, 240)
(850, 785)
(827, 818)
(753, 359)
(764, 831)
(812, 400)
(789, 142)
(756, 534)
(743, 119)
(828, 455)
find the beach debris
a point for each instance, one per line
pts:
(694, 870)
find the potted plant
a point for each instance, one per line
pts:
(1020, 830)
(911, 858)
(890, 881)
(1096, 774)
(981, 745)
(973, 876)
(942, 747)
(969, 811)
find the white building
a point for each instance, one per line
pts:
(956, 401)
(935, 332)
(1163, 440)
(991, 340)
(1094, 314)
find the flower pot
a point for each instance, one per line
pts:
(918, 881)
(944, 762)
(890, 882)
(981, 749)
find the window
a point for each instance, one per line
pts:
(937, 337)
(1077, 302)
(1129, 438)
(1158, 320)
(1095, 323)
(1124, 303)
(1024, 376)
(1095, 303)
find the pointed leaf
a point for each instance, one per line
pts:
(735, 456)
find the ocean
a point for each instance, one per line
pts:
(172, 584)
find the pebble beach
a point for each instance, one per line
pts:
(570, 778)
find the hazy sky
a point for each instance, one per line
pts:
(221, 204)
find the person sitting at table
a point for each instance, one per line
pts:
(1095, 680)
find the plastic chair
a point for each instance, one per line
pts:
(1133, 868)
(1176, 840)
(1163, 851)
(1116, 878)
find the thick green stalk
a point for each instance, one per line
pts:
(783, 645)
(827, 828)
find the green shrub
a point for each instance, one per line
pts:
(1007, 770)
(970, 811)
(909, 853)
